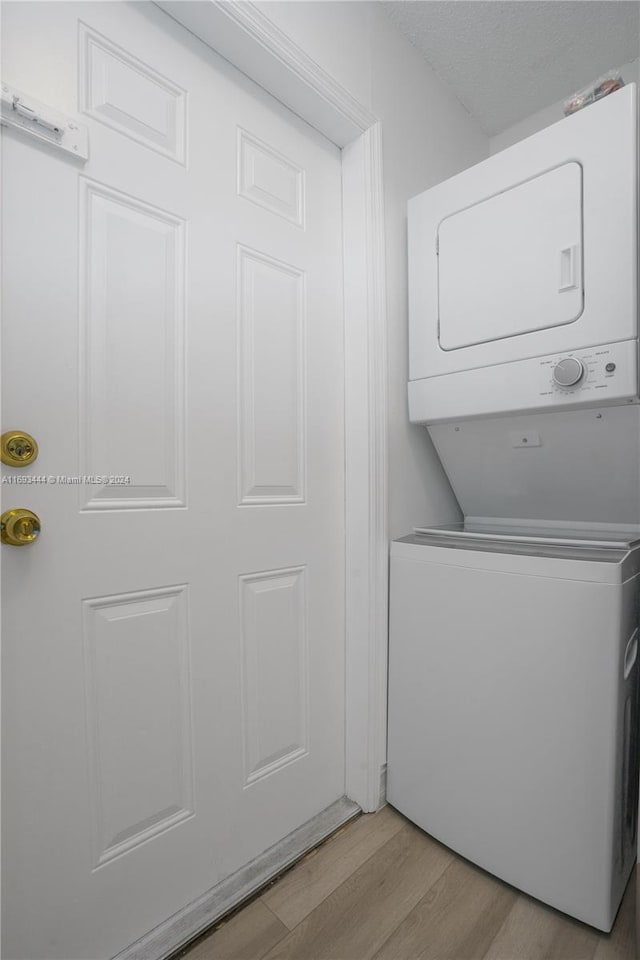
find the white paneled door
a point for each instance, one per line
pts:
(173, 662)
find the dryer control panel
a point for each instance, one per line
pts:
(592, 377)
(584, 373)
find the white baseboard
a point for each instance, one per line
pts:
(178, 930)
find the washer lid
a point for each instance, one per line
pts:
(575, 544)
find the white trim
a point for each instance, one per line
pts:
(249, 40)
(366, 467)
(376, 478)
(246, 37)
(177, 931)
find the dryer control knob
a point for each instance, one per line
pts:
(568, 372)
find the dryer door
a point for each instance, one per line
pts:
(512, 264)
(531, 253)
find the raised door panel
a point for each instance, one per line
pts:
(131, 97)
(139, 717)
(274, 689)
(271, 374)
(131, 361)
(269, 179)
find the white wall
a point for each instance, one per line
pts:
(551, 114)
(428, 136)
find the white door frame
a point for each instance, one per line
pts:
(249, 40)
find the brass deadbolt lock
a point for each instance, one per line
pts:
(19, 527)
(17, 448)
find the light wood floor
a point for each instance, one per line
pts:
(381, 888)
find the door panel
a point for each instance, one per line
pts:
(274, 690)
(269, 179)
(271, 427)
(132, 280)
(130, 96)
(140, 743)
(173, 661)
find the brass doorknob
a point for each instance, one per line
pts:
(19, 527)
(17, 448)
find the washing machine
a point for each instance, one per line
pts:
(513, 704)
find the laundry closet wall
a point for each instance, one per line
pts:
(551, 114)
(428, 136)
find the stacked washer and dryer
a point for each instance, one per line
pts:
(513, 674)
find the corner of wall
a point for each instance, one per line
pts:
(551, 114)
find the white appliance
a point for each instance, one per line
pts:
(523, 274)
(513, 640)
(513, 706)
(523, 324)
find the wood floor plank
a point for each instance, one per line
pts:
(248, 935)
(406, 897)
(457, 919)
(312, 880)
(356, 919)
(574, 941)
(534, 931)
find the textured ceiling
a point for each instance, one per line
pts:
(506, 59)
